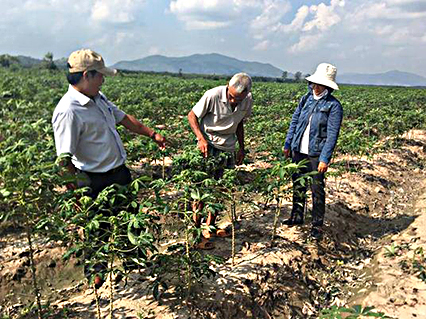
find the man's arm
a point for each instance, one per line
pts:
(67, 166)
(133, 125)
(240, 137)
(195, 126)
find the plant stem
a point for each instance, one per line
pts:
(233, 217)
(164, 167)
(188, 265)
(277, 215)
(111, 290)
(33, 270)
(98, 306)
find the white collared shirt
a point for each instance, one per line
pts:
(217, 120)
(86, 128)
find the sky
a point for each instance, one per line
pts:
(361, 36)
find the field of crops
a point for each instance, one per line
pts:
(154, 208)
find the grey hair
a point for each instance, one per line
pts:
(241, 82)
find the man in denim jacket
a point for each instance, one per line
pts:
(312, 136)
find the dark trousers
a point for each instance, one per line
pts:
(224, 160)
(98, 182)
(300, 188)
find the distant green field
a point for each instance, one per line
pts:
(370, 113)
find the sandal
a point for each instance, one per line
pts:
(205, 245)
(205, 233)
(222, 233)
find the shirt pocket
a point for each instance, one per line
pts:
(323, 120)
(325, 108)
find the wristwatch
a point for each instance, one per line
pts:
(152, 135)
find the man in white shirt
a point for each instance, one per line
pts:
(84, 125)
(217, 121)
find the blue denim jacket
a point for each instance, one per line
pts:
(327, 114)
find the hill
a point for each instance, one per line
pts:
(28, 62)
(395, 77)
(200, 64)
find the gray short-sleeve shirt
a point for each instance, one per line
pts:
(218, 122)
(86, 128)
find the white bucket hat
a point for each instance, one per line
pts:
(325, 74)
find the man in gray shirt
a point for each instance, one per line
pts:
(217, 121)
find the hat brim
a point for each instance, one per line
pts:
(322, 81)
(107, 71)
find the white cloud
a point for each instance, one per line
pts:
(272, 13)
(201, 15)
(310, 24)
(325, 16)
(154, 50)
(214, 14)
(383, 30)
(262, 46)
(306, 43)
(206, 25)
(391, 21)
(297, 22)
(115, 11)
(355, 33)
(389, 10)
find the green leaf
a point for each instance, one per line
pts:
(155, 292)
(133, 239)
(5, 192)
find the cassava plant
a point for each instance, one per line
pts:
(27, 175)
(118, 229)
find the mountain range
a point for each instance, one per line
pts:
(223, 65)
(395, 77)
(219, 64)
(28, 62)
(200, 64)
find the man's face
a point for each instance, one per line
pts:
(93, 83)
(235, 98)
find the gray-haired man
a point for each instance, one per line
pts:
(217, 121)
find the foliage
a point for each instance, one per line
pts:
(392, 250)
(417, 264)
(30, 187)
(7, 60)
(357, 311)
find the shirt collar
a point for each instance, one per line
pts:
(318, 97)
(224, 97)
(79, 97)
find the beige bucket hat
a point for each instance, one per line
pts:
(88, 60)
(325, 74)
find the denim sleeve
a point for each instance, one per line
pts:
(293, 123)
(333, 128)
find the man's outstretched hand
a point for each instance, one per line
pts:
(203, 146)
(240, 156)
(160, 140)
